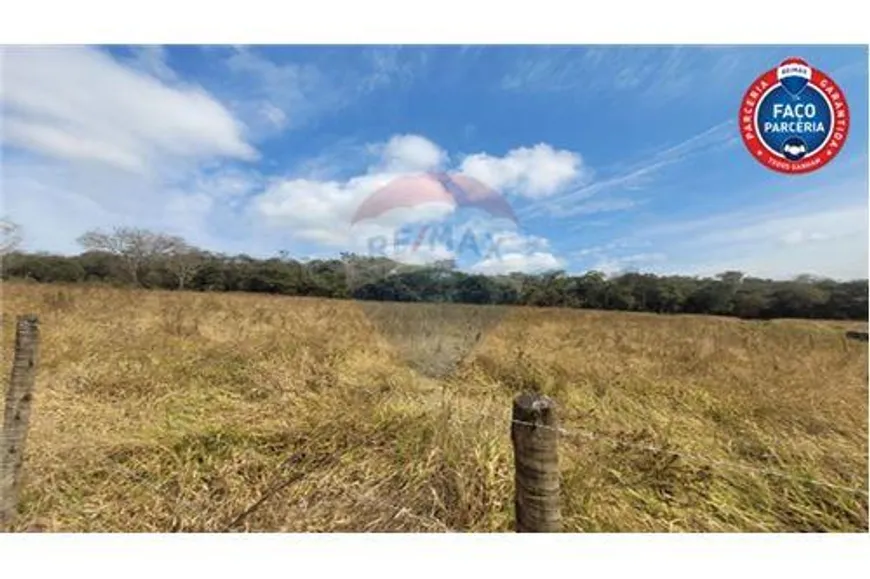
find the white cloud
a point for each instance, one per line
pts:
(821, 231)
(535, 262)
(654, 76)
(80, 104)
(272, 114)
(828, 242)
(322, 211)
(391, 64)
(515, 251)
(55, 141)
(44, 200)
(516, 242)
(618, 255)
(56, 202)
(633, 262)
(228, 184)
(598, 206)
(842, 258)
(153, 60)
(310, 210)
(632, 177)
(410, 153)
(98, 141)
(833, 223)
(276, 95)
(535, 172)
(420, 255)
(799, 236)
(91, 141)
(188, 212)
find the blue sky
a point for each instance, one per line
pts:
(613, 157)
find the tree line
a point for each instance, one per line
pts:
(141, 258)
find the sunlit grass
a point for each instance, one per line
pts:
(161, 411)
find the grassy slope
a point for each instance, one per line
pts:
(177, 411)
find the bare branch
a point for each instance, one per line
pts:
(10, 236)
(137, 247)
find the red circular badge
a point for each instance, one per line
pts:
(794, 119)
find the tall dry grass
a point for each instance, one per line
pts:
(160, 411)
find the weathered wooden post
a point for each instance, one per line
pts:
(535, 437)
(16, 415)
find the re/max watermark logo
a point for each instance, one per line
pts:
(434, 237)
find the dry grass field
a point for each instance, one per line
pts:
(160, 411)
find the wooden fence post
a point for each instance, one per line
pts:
(535, 437)
(16, 415)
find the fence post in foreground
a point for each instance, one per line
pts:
(16, 415)
(535, 437)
